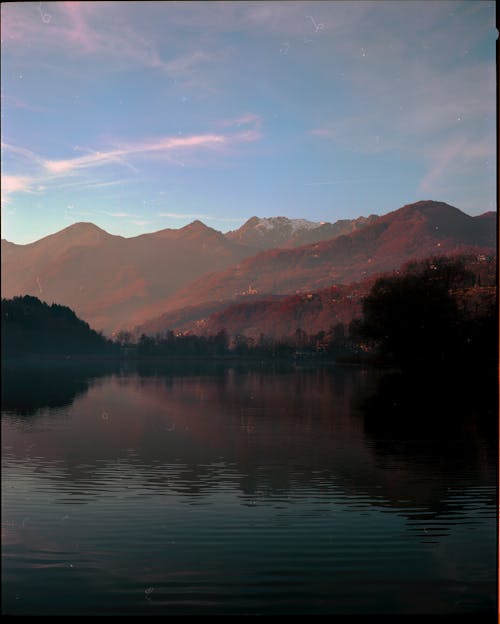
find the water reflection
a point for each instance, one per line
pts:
(270, 434)
(27, 387)
(215, 489)
(432, 436)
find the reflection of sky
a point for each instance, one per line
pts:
(140, 116)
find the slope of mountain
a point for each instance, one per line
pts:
(414, 231)
(322, 309)
(279, 316)
(106, 278)
(272, 232)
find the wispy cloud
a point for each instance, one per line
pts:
(167, 148)
(79, 29)
(106, 31)
(180, 65)
(161, 147)
(455, 157)
(10, 100)
(140, 222)
(246, 119)
(118, 215)
(444, 120)
(15, 184)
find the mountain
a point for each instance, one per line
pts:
(414, 231)
(279, 316)
(320, 310)
(107, 278)
(271, 232)
(114, 282)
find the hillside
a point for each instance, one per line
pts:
(280, 315)
(414, 231)
(107, 278)
(323, 309)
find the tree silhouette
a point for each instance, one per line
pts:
(32, 327)
(413, 318)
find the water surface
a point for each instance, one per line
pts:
(221, 489)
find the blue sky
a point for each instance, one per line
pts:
(139, 116)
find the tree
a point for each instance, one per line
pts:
(413, 318)
(123, 337)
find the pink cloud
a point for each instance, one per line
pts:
(156, 148)
(243, 120)
(76, 27)
(15, 184)
(50, 171)
(17, 103)
(328, 133)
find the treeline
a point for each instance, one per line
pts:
(434, 315)
(335, 341)
(31, 327)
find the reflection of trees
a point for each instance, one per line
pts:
(278, 434)
(431, 437)
(433, 407)
(27, 388)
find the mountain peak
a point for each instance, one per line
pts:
(196, 227)
(431, 207)
(199, 229)
(83, 226)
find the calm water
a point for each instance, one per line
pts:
(233, 490)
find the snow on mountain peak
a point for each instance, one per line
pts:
(273, 223)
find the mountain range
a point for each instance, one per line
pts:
(176, 277)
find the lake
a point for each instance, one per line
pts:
(239, 489)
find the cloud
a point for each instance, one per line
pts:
(158, 148)
(21, 153)
(455, 157)
(79, 28)
(15, 184)
(51, 171)
(118, 215)
(140, 222)
(246, 119)
(10, 100)
(182, 64)
(327, 132)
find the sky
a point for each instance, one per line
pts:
(140, 116)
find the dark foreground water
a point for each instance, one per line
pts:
(245, 491)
